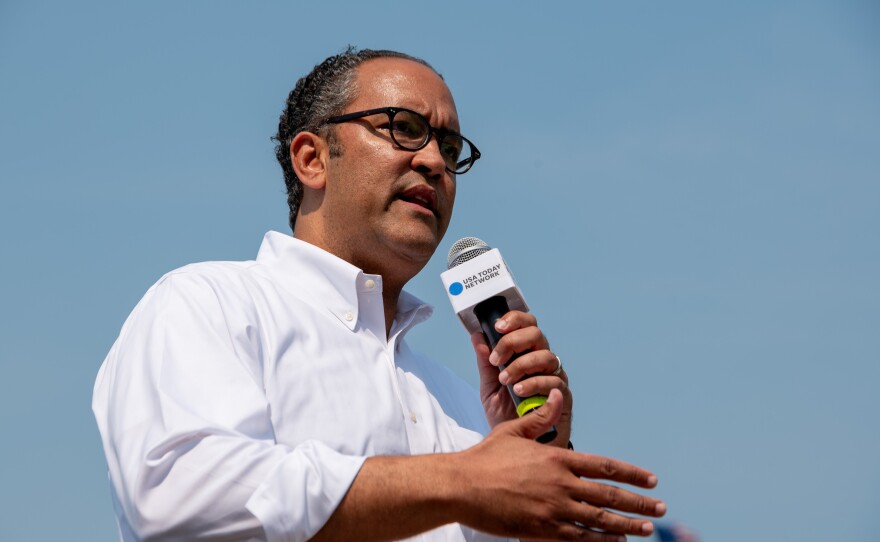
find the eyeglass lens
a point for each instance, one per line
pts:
(412, 131)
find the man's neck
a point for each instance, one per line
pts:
(389, 301)
(395, 272)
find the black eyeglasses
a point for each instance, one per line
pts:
(411, 131)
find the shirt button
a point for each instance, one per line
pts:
(412, 416)
(370, 284)
(349, 316)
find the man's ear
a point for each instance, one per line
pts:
(309, 154)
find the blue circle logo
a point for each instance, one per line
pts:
(456, 288)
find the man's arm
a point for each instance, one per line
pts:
(508, 485)
(187, 429)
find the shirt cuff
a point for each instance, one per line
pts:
(303, 491)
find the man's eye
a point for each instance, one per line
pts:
(407, 129)
(451, 149)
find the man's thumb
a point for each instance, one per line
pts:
(537, 422)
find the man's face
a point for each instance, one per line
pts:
(386, 207)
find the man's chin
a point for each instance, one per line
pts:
(415, 244)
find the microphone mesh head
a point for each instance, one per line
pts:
(466, 248)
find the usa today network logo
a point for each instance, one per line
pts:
(487, 274)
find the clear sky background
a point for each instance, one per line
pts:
(687, 192)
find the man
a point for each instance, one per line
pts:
(277, 399)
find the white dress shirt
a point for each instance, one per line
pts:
(241, 398)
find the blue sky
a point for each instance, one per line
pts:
(687, 192)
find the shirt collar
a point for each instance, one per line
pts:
(330, 282)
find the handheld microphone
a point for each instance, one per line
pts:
(482, 290)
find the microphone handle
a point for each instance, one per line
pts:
(488, 312)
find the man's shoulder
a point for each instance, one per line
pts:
(219, 281)
(218, 270)
(225, 273)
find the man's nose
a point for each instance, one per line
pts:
(428, 159)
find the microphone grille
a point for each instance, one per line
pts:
(466, 248)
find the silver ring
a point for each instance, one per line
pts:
(558, 367)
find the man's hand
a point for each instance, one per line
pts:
(531, 373)
(517, 487)
(507, 485)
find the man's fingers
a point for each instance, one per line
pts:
(599, 518)
(570, 531)
(521, 333)
(607, 496)
(605, 468)
(533, 363)
(538, 421)
(539, 385)
(515, 320)
(517, 341)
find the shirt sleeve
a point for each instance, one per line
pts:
(187, 428)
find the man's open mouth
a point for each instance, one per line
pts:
(421, 195)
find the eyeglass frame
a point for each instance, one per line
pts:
(439, 133)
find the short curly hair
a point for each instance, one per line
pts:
(324, 93)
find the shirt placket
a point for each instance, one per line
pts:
(372, 316)
(415, 420)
